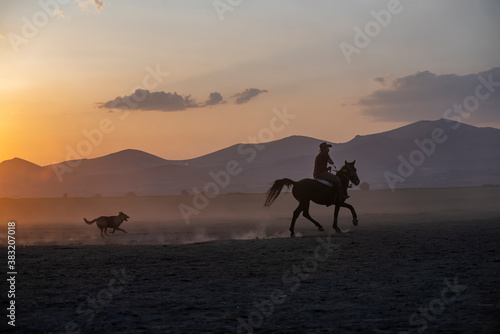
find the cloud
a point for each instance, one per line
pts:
(2, 36)
(425, 95)
(83, 4)
(380, 80)
(61, 14)
(143, 99)
(214, 98)
(247, 95)
(98, 4)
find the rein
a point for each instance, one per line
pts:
(342, 174)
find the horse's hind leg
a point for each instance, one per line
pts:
(296, 214)
(308, 216)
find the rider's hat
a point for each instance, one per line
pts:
(324, 145)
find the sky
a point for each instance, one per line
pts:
(179, 79)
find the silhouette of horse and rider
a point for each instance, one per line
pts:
(325, 189)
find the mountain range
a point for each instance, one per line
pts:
(439, 153)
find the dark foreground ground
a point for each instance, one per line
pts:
(436, 276)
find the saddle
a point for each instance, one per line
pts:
(326, 183)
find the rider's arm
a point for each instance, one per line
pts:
(330, 161)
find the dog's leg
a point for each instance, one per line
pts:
(119, 229)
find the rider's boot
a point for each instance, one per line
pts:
(343, 196)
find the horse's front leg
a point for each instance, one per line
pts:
(353, 212)
(335, 218)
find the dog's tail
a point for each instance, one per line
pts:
(89, 222)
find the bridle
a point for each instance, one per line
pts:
(348, 173)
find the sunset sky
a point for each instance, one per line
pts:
(201, 75)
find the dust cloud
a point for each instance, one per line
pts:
(157, 220)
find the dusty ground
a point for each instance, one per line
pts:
(420, 261)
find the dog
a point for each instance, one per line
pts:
(105, 222)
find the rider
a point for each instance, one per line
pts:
(322, 172)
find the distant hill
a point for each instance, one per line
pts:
(122, 161)
(463, 155)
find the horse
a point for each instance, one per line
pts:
(307, 190)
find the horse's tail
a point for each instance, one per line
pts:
(89, 222)
(275, 190)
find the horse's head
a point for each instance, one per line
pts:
(350, 172)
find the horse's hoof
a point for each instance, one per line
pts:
(321, 228)
(292, 235)
(355, 221)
